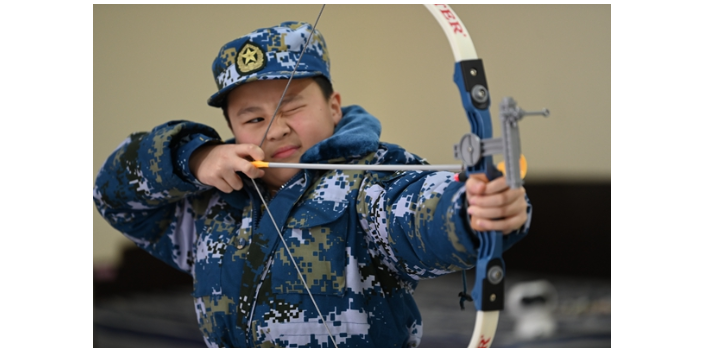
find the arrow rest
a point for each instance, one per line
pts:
(471, 148)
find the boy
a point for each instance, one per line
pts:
(338, 260)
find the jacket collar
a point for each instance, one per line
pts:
(356, 134)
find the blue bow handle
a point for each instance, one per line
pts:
(475, 150)
(470, 78)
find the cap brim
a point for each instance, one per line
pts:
(217, 99)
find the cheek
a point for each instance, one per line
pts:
(245, 138)
(315, 130)
(316, 133)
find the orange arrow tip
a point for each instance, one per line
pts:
(260, 164)
(523, 165)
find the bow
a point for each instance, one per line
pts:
(470, 79)
(475, 150)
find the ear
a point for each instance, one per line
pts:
(335, 105)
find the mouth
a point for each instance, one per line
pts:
(285, 152)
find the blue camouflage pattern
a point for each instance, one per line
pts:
(269, 53)
(362, 239)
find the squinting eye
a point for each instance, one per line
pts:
(255, 120)
(294, 110)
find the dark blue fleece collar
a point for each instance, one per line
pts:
(356, 134)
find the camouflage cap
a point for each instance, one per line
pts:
(269, 53)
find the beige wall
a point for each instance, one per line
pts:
(152, 64)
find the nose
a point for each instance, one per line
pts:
(278, 129)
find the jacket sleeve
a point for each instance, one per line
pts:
(418, 224)
(146, 191)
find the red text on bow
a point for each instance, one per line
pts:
(451, 19)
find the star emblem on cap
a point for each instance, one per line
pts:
(250, 59)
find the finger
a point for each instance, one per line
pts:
(479, 177)
(504, 198)
(222, 185)
(496, 186)
(250, 151)
(233, 180)
(476, 224)
(505, 225)
(476, 184)
(246, 167)
(509, 210)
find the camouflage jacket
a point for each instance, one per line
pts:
(361, 239)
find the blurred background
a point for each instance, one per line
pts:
(151, 64)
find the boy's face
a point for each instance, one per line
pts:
(304, 119)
